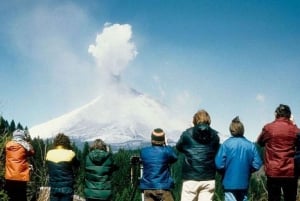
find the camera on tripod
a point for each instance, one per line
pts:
(135, 160)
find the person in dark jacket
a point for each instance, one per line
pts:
(156, 182)
(236, 159)
(279, 139)
(199, 144)
(61, 163)
(17, 167)
(99, 167)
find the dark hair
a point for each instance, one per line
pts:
(283, 111)
(236, 127)
(62, 140)
(98, 144)
(158, 137)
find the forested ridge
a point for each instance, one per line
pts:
(125, 178)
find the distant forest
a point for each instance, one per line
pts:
(125, 179)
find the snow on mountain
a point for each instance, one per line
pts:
(121, 117)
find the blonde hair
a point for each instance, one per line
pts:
(201, 117)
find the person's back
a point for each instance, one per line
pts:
(99, 167)
(61, 162)
(17, 167)
(279, 139)
(199, 156)
(156, 182)
(237, 158)
(60, 167)
(156, 161)
(199, 144)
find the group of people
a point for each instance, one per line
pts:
(62, 164)
(235, 160)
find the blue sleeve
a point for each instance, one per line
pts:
(172, 155)
(220, 159)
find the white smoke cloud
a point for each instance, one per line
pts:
(113, 49)
(161, 90)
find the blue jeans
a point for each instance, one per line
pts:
(236, 195)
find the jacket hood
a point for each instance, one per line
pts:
(202, 133)
(98, 156)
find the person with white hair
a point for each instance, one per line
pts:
(17, 167)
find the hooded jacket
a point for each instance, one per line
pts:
(199, 144)
(61, 163)
(16, 165)
(279, 139)
(98, 171)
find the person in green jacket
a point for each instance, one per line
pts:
(99, 167)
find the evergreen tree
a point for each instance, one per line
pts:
(12, 126)
(4, 137)
(19, 126)
(3, 126)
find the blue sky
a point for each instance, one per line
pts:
(228, 57)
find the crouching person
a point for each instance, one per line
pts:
(156, 181)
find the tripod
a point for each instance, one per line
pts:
(136, 173)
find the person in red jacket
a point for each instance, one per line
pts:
(279, 139)
(17, 167)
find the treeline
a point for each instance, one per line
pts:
(125, 178)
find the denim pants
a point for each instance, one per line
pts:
(236, 195)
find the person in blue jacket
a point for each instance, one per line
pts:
(236, 159)
(156, 181)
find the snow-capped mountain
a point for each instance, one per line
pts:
(127, 116)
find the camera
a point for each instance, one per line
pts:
(135, 160)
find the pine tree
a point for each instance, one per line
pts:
(12, 126)
(19, 126)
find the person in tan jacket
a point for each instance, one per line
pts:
(17, 167)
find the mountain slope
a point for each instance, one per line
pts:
(115, 118)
